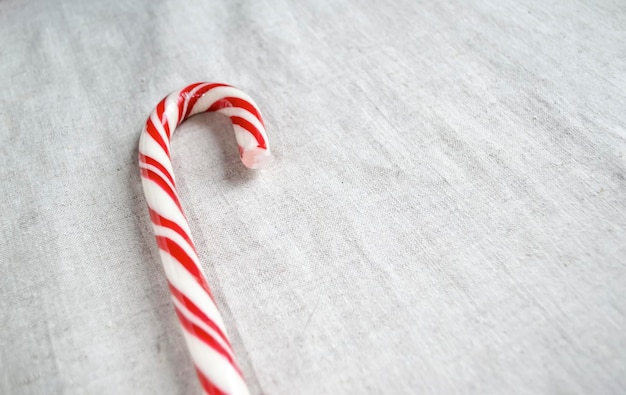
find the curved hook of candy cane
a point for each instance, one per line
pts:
(203, 327)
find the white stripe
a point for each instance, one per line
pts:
(191, 94)
(180, 278)
(160, 129)
(244, 138)
(155, 169)
(159, 201)
(215, 367)
(218, 93)
(245, 114)
(171, 110)
(193, 318)
(149, 147)
(180, 240)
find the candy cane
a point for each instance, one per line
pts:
(203, 327)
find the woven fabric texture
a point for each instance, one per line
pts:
(446, 213)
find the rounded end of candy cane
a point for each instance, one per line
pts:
(255, 158)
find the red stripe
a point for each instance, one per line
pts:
(151, 161)
(250, 128)
(171, 247)
(236, 102)
(198, 94)
(159, 220)
(207, 339)
(207, 385)
(182, 98)
(160, 108)
(151, 129)
(160, 111)
(151, 175)
(191, 306)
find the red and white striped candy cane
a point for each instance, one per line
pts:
(202, 325)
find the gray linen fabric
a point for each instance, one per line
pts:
(446, 213)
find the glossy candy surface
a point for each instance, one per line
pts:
(202, 325)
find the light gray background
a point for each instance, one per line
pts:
(446, 214)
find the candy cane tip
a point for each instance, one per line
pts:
(255, 158)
